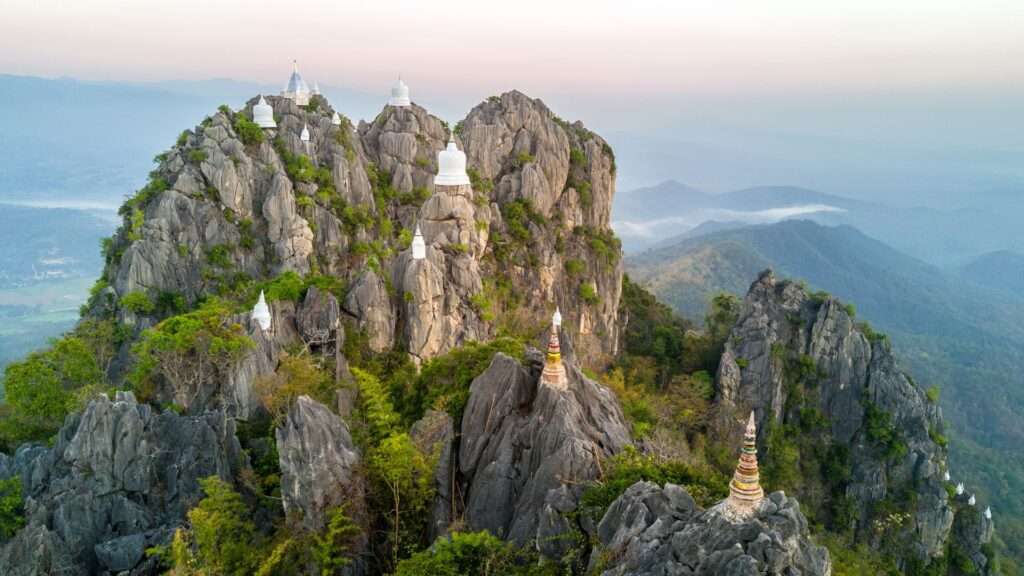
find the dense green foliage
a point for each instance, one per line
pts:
(12, 516)
(41, 389)
(707, 486)
(188, 349)
(473, 554)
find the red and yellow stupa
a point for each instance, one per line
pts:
(745, 492)
(553, 374)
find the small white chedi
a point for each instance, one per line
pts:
(261, 312)
(971, 500)
(305, 134)
(419, 247)
(263, 114)
(400, 94)
(336, 120)
(451, 166)
(960, 489)
(296, 89)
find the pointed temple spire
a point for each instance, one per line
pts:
(745, 492)
(296, 89)
(945, 476)
(419, 247)
(305, 133)
(988, 512)
(960, 489)
(554, 372)
(336, 120)
(971, 501)
(261, 312)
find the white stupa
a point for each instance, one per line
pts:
(263, 114)
(557, 318)
(419, 247)
(971, 500)
(451, 167)
(296, 89)
(945, 476)
(261, 312)
(316, 88)
(305, 134)
(400, 94)
(988, 512)
(336, 120)
(960, 489)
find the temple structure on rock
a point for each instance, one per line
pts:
(553, 374)
(305, 133)
(296, 89)
(336, 119)
(419, 247)
(745, 492)
(263, 114)
(400, 94)
(261, 312)
(451, 166)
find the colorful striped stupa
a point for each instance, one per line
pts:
(554, 372)
(745, 492)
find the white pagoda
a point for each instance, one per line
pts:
(261, 312)
(400, 94)
(988, 512)
(263, 114)
(305, 134)
(971, 500)
(960, 489)
(296, 89)
(336, 120)
(419, 247)
(451, 167)
(316, 88)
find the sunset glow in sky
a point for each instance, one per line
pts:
(577, 46)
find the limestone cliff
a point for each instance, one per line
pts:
(231, 205)
(872, 461)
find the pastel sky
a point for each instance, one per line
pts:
(606, 47)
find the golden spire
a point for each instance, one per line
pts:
(745, 493)
(554, 372)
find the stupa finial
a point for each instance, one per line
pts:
(554, 372)
(261, 312)
(745, 492)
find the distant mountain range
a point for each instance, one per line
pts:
(1002, 269)
(649, 217)
(949, 330)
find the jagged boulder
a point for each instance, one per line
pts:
(318, 462)
(527, 449)
(652, 530)
(119, 479)
(970, 537)
(791, 355)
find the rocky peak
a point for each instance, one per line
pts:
(804, 366)
(528, 449)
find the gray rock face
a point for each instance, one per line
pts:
(260, 210)
(567, 175)
(651, 530)
(780, 323)
(318, 461)
(971, 532)
(119, 478)
(527, 448)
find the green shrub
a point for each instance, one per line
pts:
(575, 267)
(630, 466)
(138, 302)
(588, 293)
(12, 514)
(522, 159)
(248, 131)
(882, 432)
(577, 157)
(469, 554)
(851, 310)
(479, 183)
(197, 155)
(402, 479)
(219, 255)
(933, 394)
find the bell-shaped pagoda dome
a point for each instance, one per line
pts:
(263, 114)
